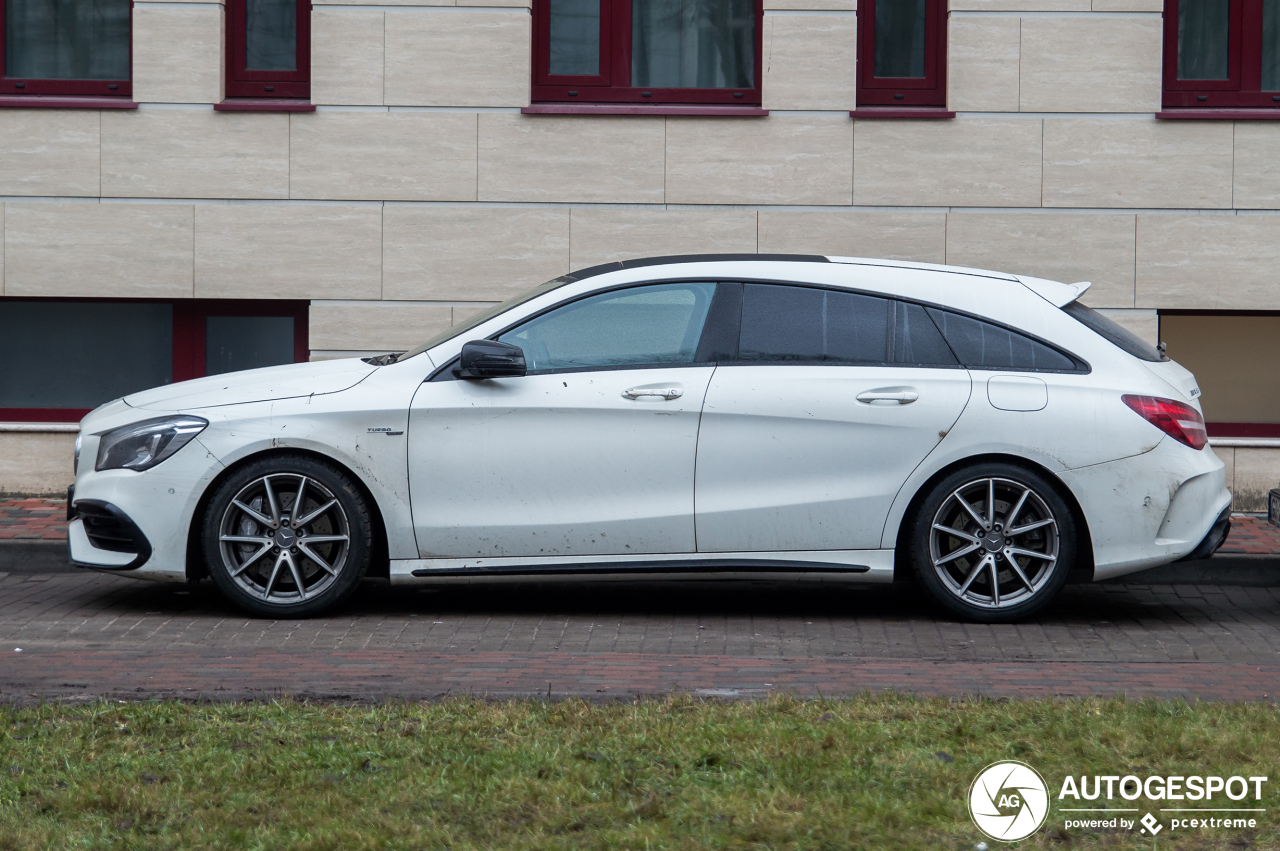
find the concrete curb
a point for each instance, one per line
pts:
(35, 557)
(1223, 569)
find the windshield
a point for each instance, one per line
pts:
(483, 317)
(1114, 333)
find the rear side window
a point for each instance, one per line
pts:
(982, 345)
(916, 340)
(784, 324)
(1114, 333)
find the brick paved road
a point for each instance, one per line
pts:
(85, 634)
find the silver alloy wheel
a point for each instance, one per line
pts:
(284, 538)
(994, 543)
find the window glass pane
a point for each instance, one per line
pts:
(81, 354)
(781, 324)
(900, 38)
(916, 339)
(232, 343)
(1271, 45)
(66, 39)
(1114, 333)
(981, 345)
(271, 35)
(703, 44)
(1203, 39)
(1234, 360)
(643, 325)
(575, 37)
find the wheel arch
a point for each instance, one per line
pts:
(1084, 548)
(196, 569)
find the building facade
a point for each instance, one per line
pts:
(188, 188)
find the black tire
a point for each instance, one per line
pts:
(956, 566)
(327, 549)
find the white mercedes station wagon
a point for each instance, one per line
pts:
(982, 434)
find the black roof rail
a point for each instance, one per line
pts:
(619, 265)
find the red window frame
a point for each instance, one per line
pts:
(613, 83)
(188, 342)
(246, 83)
(1243, 86)
(929, 90)
(10, 86)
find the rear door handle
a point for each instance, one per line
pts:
(667, 393)
(902, 397)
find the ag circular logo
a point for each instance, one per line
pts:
(1008, 800)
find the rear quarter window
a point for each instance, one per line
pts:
(984, 345)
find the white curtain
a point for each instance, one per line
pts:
(66, 39)
(704, 44)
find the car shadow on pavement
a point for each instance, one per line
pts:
(1084, 605)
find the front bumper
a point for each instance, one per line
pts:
(125, 520)
(104, 533)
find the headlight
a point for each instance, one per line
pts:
(75, 465)
(143, 445)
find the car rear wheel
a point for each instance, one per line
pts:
(288, 537)
(993, 543)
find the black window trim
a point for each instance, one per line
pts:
(444, 372)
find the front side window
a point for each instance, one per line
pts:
(65, 47)
(901, 53)
(639, 326)
(90, 352)
(269, 48)
(1222, 53)
(647, 51)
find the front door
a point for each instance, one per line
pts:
(590, 453)
(833, 400)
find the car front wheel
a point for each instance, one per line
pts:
(993, 543)
(287, 537)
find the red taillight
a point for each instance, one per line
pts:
(1176, 419)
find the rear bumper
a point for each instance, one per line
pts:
(1150, 509)
(1216, 537)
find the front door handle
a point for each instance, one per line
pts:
(667, 393)
(902, 397)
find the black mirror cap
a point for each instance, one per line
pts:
(490, 359)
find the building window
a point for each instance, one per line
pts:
(65, 47)
(1233, 357)
(902, 53)
(269, 48)
(647, 51)
(1222, 53)
(94, 351)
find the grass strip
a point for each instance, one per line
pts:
(872, 772)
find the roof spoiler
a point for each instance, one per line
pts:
(1059, 295)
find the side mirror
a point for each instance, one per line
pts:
(490, 359)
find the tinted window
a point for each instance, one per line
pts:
(981, 345)
(781, 323)
(233, 343)
(642, 325)
(81, 354)
(1114, 333)
(916, 339)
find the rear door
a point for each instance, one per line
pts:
(830, 401)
